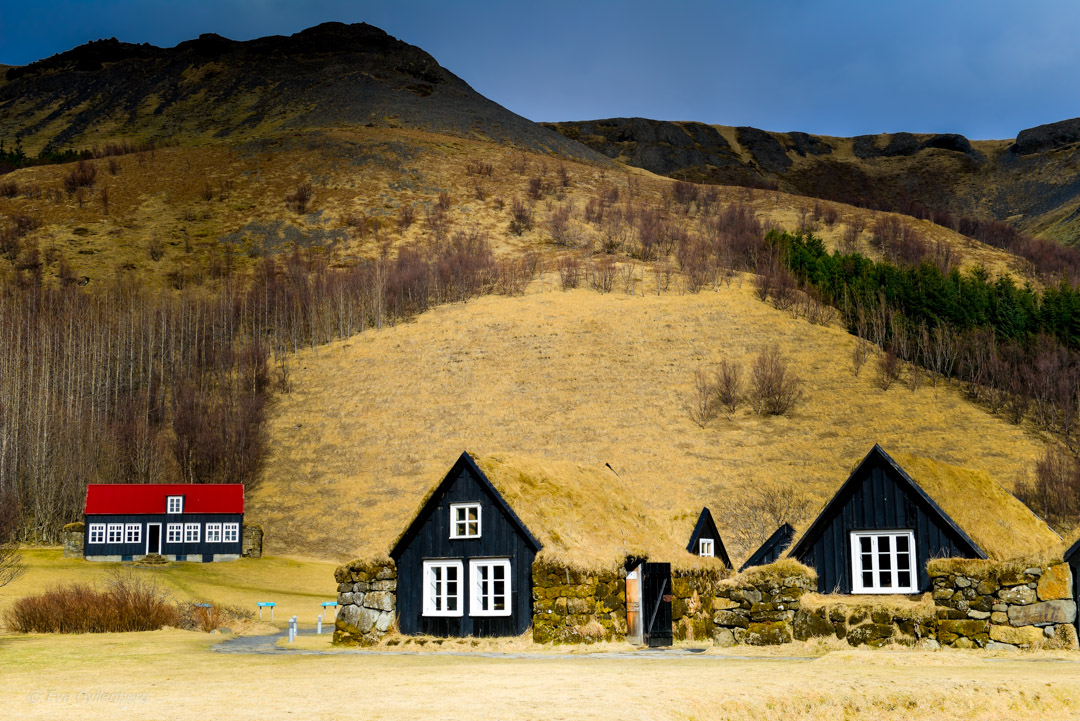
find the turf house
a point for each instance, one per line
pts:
(705, 541)
(773, 547)
(182, 522)
(503, 544)
(891, 516)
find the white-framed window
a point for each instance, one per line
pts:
(174, 533)
(489, 587)
(174, 504)
(133, 533)
(232, 532)
(883, 562)
(116, 533)
(191, 533)
(442, 588)
(97, 533)
(464, 520)
(706, 547)
(213, 533)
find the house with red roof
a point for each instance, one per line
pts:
(180, 521)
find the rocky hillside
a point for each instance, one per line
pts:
(214, 89)
(1032, 181)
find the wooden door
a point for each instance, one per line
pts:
(153, 538)
(656, 603)
(633, 606)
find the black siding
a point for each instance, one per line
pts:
(430, 538)
(878, 501)
(773, 548)
(167, 549)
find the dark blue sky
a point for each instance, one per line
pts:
(983, 68)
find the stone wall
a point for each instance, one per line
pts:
(1010, 605)
(693, 593)
(73, 536)
(868, 622)
(758, 607)
(367, 601)
(575, 606)
(252, 541)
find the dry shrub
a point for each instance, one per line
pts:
(758, 510)
(729, 386)
(207, 617)
(300, 199)
(888, 366)
(703, 405)
(603, 273)
(558, 224)
(521, 217)
(406, 217)
(83, 175)
(569, 272)
(126, 603)
(774, 388)
(114, 166)
(9, 189)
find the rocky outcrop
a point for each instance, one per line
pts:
(367, 602)
(1047, 137)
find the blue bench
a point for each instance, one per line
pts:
(266, 604)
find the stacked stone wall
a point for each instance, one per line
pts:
(692, 603)
(575, 606)
(73, 537)
(1008, 605)
(875, 624)
(367, 602)
(758, 608)
(252, 542)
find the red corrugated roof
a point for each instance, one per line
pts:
(150, 498)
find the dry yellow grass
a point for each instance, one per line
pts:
(298, 586)
(173, 675)
(586, 378)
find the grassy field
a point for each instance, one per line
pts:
(174, 675)
(297, 586)
(373, 422)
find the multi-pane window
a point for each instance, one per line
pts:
(706, 547)
(883, 562)
(464, 520)
(442, 588)
(213, 533)
(133, 533)
(489, 587)
(116, 533)
(174, 533)
(191, 533)
(232, 532)
(97, 533)
(174, 504)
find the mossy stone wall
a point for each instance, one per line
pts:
(367, 601)
(575, 606)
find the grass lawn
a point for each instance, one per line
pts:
(174, 675)
(296, 586)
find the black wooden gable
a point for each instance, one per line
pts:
(464, 468)
(706, 528)
(773, 548)
(879, 495)
(1072, 557)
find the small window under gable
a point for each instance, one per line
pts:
(706, 547)
(883, 562)
(464, 520)
(174, 504)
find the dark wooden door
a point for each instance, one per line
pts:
(656, 603)
(153, 538)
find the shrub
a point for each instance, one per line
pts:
(9, 189)
(603, 274)
(126, 603)
(569, 272)
(888, 369)
(405, 217)
(774, 389)
(729, 386)
(83, 175)
(521, 217)
(299, 200)
(703, 405)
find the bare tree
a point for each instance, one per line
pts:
(11, 566)
(774, 389)
(703, 403)
(757, 510)
(729, 386)
(888, 367)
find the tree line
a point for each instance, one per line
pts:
(127, 385)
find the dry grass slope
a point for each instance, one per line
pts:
(585, 378)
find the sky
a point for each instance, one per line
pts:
(982, 68)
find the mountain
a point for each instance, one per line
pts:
(1032, 182)
(214, 89)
